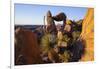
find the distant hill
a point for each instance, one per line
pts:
(30, 27)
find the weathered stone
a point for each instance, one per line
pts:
(87, 35)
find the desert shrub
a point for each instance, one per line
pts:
(76, 35)
(65, 56)
(47, 42)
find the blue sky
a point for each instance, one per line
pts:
(29, 14)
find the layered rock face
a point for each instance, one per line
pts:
(87, 35)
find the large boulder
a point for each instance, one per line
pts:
(26, 47)
(51, 27)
